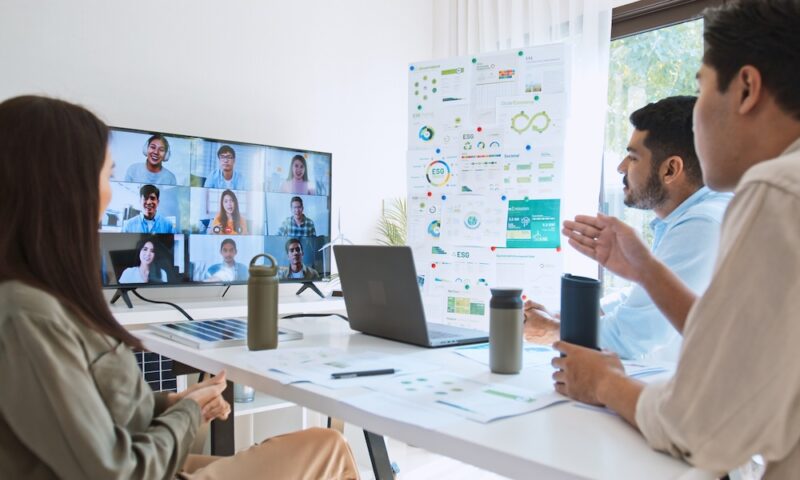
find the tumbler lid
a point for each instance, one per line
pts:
(579, 282)
(506, 292)
(263, 270)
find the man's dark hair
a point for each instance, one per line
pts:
(227, 241)
(226, 149)
(764, 34)
(296, 199)
(146, 190)
(668, 123)
(290, 242)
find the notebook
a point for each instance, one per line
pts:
(382, 297)
(216, 333)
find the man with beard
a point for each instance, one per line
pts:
(662, 174)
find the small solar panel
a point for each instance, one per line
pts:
(220, 332)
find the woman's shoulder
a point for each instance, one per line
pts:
(18, 299)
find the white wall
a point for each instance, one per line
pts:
(325, 75)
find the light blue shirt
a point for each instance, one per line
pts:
(686, 241)
(139, 224)
(139, 173)
(217, 180)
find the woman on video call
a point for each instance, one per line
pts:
(229, 221)
(74, 403)
(147, 271)
(297, 181)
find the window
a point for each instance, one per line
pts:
(643, 68)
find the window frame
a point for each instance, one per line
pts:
(647, 15)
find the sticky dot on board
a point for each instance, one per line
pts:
(493, 248)
(433, 265)
(438, 150)
(411, 68)
(444, 197)
(480, 129)
(527, 147)
(558, 249)
(503, 198)
(430, 194)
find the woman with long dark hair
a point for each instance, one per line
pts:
(73, 402)
(148, 269)
(229, 221)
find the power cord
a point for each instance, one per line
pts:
(176, 307)
(300, 315)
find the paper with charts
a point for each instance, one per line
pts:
(485, 162)
(455, 395)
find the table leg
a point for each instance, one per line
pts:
(222, 436)
(379, 457)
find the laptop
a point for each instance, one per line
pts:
(220, 332)
(383, 299)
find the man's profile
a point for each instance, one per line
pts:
(148, 221)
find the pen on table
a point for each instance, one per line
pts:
(362, 373)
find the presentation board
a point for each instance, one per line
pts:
(485, 178)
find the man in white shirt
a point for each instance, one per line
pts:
(736, 389)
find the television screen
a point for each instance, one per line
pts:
(189, 210)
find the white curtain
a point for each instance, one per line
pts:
(466, 27)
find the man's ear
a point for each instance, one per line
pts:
(748, 80)
(671, 169)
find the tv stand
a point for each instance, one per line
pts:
(123, 293)
(310, 286)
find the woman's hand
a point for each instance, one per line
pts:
(207, 394)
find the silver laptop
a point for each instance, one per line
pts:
(382, 297)
(220, 332)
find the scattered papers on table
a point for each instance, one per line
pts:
(445, 392)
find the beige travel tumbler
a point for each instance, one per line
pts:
(505, 330)
(262, 304)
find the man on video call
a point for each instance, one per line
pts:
(662, 174)
(225, 176)
(156, 153)
(229, 270)
(298, 225)
(148, 221)
(296, 269)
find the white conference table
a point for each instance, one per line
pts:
(562, 441)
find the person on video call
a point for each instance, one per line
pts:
(156, 153)
(297, 180)
(736, 389)
(226, 176)
(298, 225)
(147, 270)
(296, 269)
(229, 221)
(229, 270)
(73, 402)
(148, 220)
(660, 173)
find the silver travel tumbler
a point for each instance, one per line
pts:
(505, 330)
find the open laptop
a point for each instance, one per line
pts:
(382, 297)
(216, 333)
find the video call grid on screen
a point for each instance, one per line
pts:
(210, 207)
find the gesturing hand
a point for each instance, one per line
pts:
(582, 371)
(611, 242)
(208, 394)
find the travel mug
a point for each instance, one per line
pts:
(262, 304)
(505, 330)
(580, 310)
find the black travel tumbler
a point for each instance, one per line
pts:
(580, 310)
